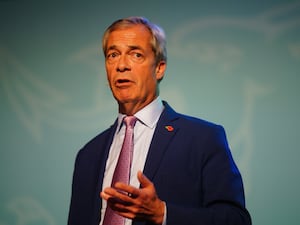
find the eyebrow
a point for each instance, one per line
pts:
(112, 47)
(134, 47)
(131, 47)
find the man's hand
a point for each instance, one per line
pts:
(135, 203)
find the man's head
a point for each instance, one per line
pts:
(158, 38)
(135, 60)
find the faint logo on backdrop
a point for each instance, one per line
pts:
(243, 137)
(226, 53)
(37, 102)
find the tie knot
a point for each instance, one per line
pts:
(130, 121)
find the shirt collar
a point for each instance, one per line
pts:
(148, 115)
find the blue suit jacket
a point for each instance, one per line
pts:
(190, 165)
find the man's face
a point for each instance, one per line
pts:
(130, 65)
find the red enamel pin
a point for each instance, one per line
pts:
(169, 128)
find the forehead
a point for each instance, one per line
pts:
(136, 34)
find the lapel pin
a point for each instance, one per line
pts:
(169, 128)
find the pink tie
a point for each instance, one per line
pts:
(122, 170)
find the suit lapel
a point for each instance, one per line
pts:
(107, 145)
(102, 162)
(164, 133)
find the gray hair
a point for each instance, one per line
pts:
(158, 41)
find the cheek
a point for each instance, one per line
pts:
(148, 84)
(108, 74)
(108, 79)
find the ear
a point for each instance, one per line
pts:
(160, 70)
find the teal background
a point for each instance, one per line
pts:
(236, 63)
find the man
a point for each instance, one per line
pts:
(182, 171)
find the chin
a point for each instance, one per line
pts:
(124, 100)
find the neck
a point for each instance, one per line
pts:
(130, 108)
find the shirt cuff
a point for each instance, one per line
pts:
(165, 215)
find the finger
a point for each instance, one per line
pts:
(104, 195)
(116, 189)
(107, 193)
(128, 189)
(118, 203)
(120, 193)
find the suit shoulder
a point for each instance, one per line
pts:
(190, 123)
(195, 122)
(97, 142)
(98, 137)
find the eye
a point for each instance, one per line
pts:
(137, 56)
(111, 56)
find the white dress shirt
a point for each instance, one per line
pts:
(143, 133)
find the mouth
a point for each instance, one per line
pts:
(122, 83)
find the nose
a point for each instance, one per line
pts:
(123, 64)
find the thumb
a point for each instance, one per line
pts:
(144, 181)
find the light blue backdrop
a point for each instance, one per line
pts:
(236, 63)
